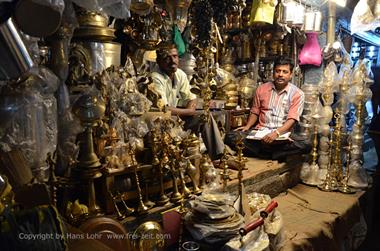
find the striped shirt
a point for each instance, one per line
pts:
(274, 108)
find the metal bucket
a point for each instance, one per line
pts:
(15, 59)
(39, 18)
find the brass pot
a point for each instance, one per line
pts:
(232, 93)
(142, 7)
(230, 87)
(234, 99)
(247, 91)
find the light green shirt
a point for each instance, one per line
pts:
(173, 94)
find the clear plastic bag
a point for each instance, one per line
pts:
(363, 19)
(116, 8)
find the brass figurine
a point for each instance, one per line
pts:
(191, 170)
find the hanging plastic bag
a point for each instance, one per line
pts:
(311, 51)
(262, 11)
(363, 19)
(115, 8)
(177, 39)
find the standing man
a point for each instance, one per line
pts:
(277, 106)
(173, 86)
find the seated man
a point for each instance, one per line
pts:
(173, 86)
(276, 106)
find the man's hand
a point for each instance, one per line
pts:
(270, 137)
(243, 128)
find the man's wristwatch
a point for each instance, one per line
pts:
(277, 132)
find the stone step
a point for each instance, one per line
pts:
(268, 176)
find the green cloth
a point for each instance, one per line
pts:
(178, 41)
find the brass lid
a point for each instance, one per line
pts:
(91, 18)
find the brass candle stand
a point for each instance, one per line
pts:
(186, 192)
(89, 109)
(176, 195)
(127, 210)
(120, 216)
(337, 157)
(344, 188)
(330, 183)
(146, 176)
(162, 164)
(141, 208)
(224, 173)
(178, 156)
(314, 152)
(240, 161)
(311, 171)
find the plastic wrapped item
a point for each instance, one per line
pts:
(310, 174)
(330, 74)
(358, 176)
(323, 159)
(256, 240)
(44, 81)
(361, 73)
(212, 218)
(311, 51)
(33, 128)
(358, 93)
(135, 104)
(363, 18)
(116, 8)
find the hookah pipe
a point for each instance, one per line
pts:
(258, 222)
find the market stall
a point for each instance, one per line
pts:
(89, 141)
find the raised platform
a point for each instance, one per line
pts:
(268, 176)
(313, 219)
(317, 220)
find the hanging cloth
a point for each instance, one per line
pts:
(178, 41)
